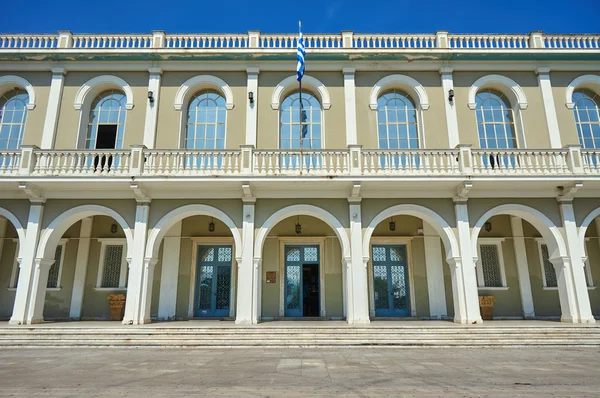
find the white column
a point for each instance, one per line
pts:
(549, 107)
(522, 267)
(152, 107)
(464, 280)
(25, 284)
(435, 273)
(572, 285)
(53, 110)
(358, 305)
(350, 106)
(252, 108)
(451, 118)
(167, 302)
(81, 266)
(139, 285)
(248, 277)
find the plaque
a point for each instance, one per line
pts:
(271, 276)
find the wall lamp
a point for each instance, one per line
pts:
(487, 226)
(451, 95)
(211, 225)
(113, 228)
(392, 225)
(298, 226)
(251, 97)
(151, 96)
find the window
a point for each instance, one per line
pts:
(112, 270)
(56, 269)
(548, 271)
(490, 267)
(495, 122)
(206, 121)
(13, 115)
(107, 121)
(397, 126)
(587, 118)
(289, 135)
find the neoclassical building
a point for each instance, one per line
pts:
(419, 173)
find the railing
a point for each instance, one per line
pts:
(354, 161)
(294, 162)
(347, 40)
(410, 162)
(174, 163)
(514, 161)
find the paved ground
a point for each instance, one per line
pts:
(356, 372)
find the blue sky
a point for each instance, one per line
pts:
(269, 16)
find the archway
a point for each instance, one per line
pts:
(589, 239)
(12, 236)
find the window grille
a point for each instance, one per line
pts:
(490, 266)
(55, 268)
(112, 266)
(549, 271)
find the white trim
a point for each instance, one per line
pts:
(63, 243)
(187, 89)
(399, 81)
(499, 82)
(583, 228)
(124, 268)
(480, 280)
(9, 82)
(301, 241)
(549, 107)
(93, 87)
(587, 267)
(350, 105)
(290, 83)
(435, 220)
(584, 80)
(252, 109)
(16, 224)
(493, 288)
(14, 273)
(451, 116)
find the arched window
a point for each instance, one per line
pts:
(289, 131)
(107, 121)
(13, 115)
(587, 118)
(206, 121)
(495, 121)
(397, 125)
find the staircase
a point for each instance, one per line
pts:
(300, 336)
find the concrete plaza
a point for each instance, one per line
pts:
(268, 372)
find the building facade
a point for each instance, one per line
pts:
(415, 174)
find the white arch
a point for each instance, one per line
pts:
(545, 226)
(516, 94)
(400, 81)
(167, 221)
(307, 80)
(18, 226)
(187, 89)
(54, 231)
(584, 226)
(585, 80)
(10, 81)
(93, 87)
(298, 210)
(431, 217)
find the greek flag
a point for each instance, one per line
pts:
(300, 57)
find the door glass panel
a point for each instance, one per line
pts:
(224, 254)
(399, 287)
(223, 285)
(207, 254)
(378, 253)
(293, 286)
(205, 288)
(380, 286)
(310, 254)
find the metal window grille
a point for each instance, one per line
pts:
(490, 265)
(112, 266)
(549, 271)
(55, 268)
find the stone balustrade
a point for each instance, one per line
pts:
(254, 39)
(354, 161)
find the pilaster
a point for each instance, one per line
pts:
(81, 266)
(252, 107)
(350, 106)
(543, 75)
(53, 109)
(451, 118)
(435, 273)
(167, 302)
(522, 267)
(357, 309)
(152, 103)
(41, 268)
(249, 277)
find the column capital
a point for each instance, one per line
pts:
(150, 262)
(40, 263)
(61, 71)
(445, 70)
(540, 70)
(349, 71)
(155, 70)
(253, 70)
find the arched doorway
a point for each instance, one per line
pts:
(12, 235)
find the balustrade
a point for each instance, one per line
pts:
(410, 162)
(295, 162)
(180, 163)
(515, 161)
(81, 163)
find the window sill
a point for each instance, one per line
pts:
(53, 289)
(549, 288)
(492, 288)
(11, 289)
(110, 289)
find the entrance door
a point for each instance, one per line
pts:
(390, 281)
(301, 281)
(213, 281)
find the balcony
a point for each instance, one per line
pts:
(247, 162)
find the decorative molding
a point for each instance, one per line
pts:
(399, 81)
(35, 193)
(11, 80)
(307, 80)
(517, 95)
(585, 80)
(187, 89)
(97, 84)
